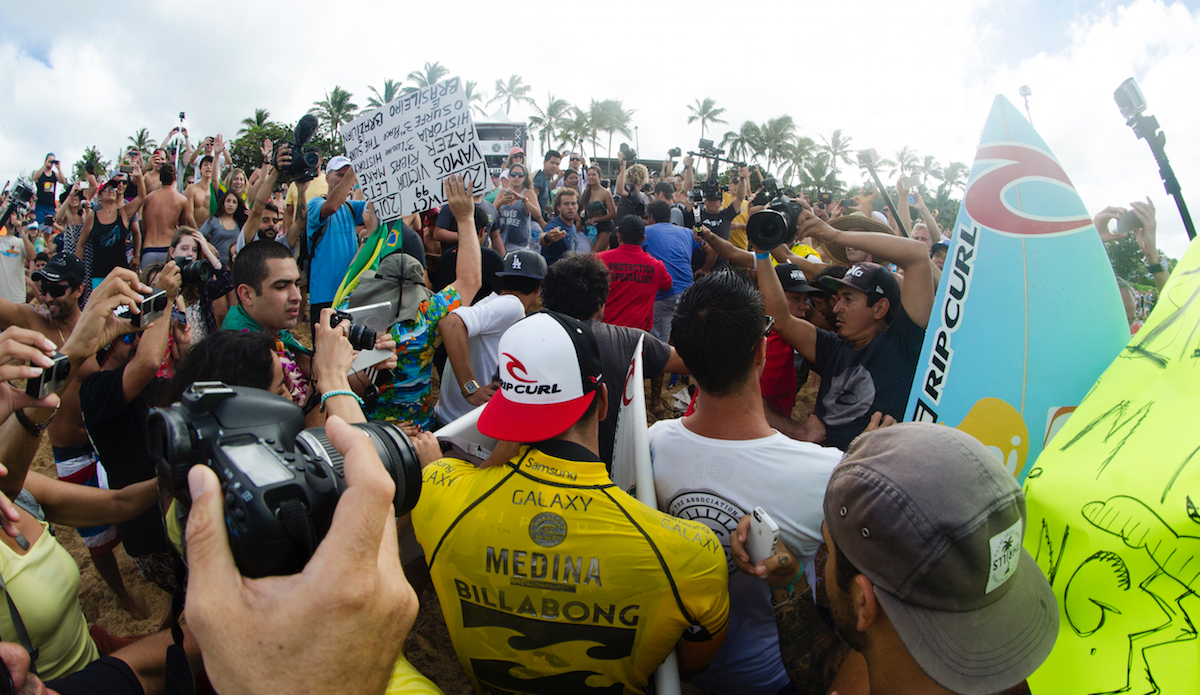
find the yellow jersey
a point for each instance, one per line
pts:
(551, 579)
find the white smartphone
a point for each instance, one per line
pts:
(763, 536)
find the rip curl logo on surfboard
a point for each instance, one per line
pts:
(995, 200)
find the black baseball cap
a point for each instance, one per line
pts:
(793, 280)
(940, 246)
(871, 278)
(526, 263)
(63, 267)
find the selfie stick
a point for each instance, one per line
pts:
(887, 200)
(1147, 129)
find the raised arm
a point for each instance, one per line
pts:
(912, 256)
(250, 228)
(798, 333)
(935, 231)
(1147, 239)
(148, 359)
(743, 189)
(338, 195)
(128, 210)
(89, 218)
(902, 204)
(468, 267)
(689, 173)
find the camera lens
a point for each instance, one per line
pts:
(398, 454)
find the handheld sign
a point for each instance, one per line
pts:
(1027, 314)
(403, 150)
(1113, 522)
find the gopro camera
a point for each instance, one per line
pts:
(867, 158)
(51, 379)
(153, 306)
(1130, 99)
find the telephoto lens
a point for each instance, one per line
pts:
(281, 482)
(361, 337)
(775, 225)
(194, 272)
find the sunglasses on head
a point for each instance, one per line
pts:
(54, 290)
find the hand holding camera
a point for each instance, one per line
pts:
(353, 584)
(99, 324)
(23, 345)
(812, 226)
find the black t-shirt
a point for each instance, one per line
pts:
(447, 271)
(856, 383)
(445, 218)
(410, 242)
(118, 432)
(45, 189)
(107, 675)
(617, 344)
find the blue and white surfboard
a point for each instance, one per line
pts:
(1027, 314)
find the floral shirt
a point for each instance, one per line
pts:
(410, 394)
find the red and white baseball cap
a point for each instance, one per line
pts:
(549, 374)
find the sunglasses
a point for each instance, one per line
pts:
(54, 290)
(574, 159)
(516, 176)
(770, 325)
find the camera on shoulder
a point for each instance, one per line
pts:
(281, 482)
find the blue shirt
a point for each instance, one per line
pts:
(335, 251)
(673, 245)
(555, 251)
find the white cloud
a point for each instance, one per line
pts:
(920, 73)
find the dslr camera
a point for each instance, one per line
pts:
(630, 154)
(708, 189)
(281, 482)
(361, 337)
(194, 272)
(304, 164)
(674, 152)
(775, 225)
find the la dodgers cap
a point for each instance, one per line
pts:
(936, 522)
(525, 263)
(549, 375)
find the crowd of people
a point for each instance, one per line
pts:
(521, 305)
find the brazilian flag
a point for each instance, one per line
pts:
(384, 241)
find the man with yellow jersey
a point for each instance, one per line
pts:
(551, 579)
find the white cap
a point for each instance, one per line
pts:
(338, 162)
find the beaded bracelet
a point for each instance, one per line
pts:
(340, 392)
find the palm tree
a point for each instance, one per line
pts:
(611, 116)
(744, 143)
(142, 142)
(579, 127)
(777, 133)
(838, 149)
(799, 151)
(955, 175)
(472, 95)
(426, 76)
(335, 109)
(818, 173)
(907, 160)
(549, 119)
(260, 118)
(513, 90)
(706, 112)
(926, 168)
(391, 90)
(91, 154)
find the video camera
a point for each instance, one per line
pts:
(19, 196)
(775, 225)
(281, 482)
(708, 189)
(304, 164)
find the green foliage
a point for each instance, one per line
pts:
(334, 110)
(142, 142)
(91, 154)
(1128, 262)
(246, 151)
(261, 117)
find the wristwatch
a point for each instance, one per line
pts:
(470, 388)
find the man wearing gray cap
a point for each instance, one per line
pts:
(927, 576)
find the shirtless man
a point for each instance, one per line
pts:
(198, 193)
(150, 180)
(164, 210)
(61, 285)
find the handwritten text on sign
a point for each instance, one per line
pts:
(403, 150)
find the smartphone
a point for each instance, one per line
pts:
(847, 203)
(762, 537)
(1128, 222)
(910, 182)
(179, 316)
(912, 199)
(126, 169)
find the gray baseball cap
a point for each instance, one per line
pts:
(525, 263)
(936, 522)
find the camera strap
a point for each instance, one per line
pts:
(180, 678)
(298, 524)
(19, 627)
(320, 233)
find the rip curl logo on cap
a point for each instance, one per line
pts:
(513, 365)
